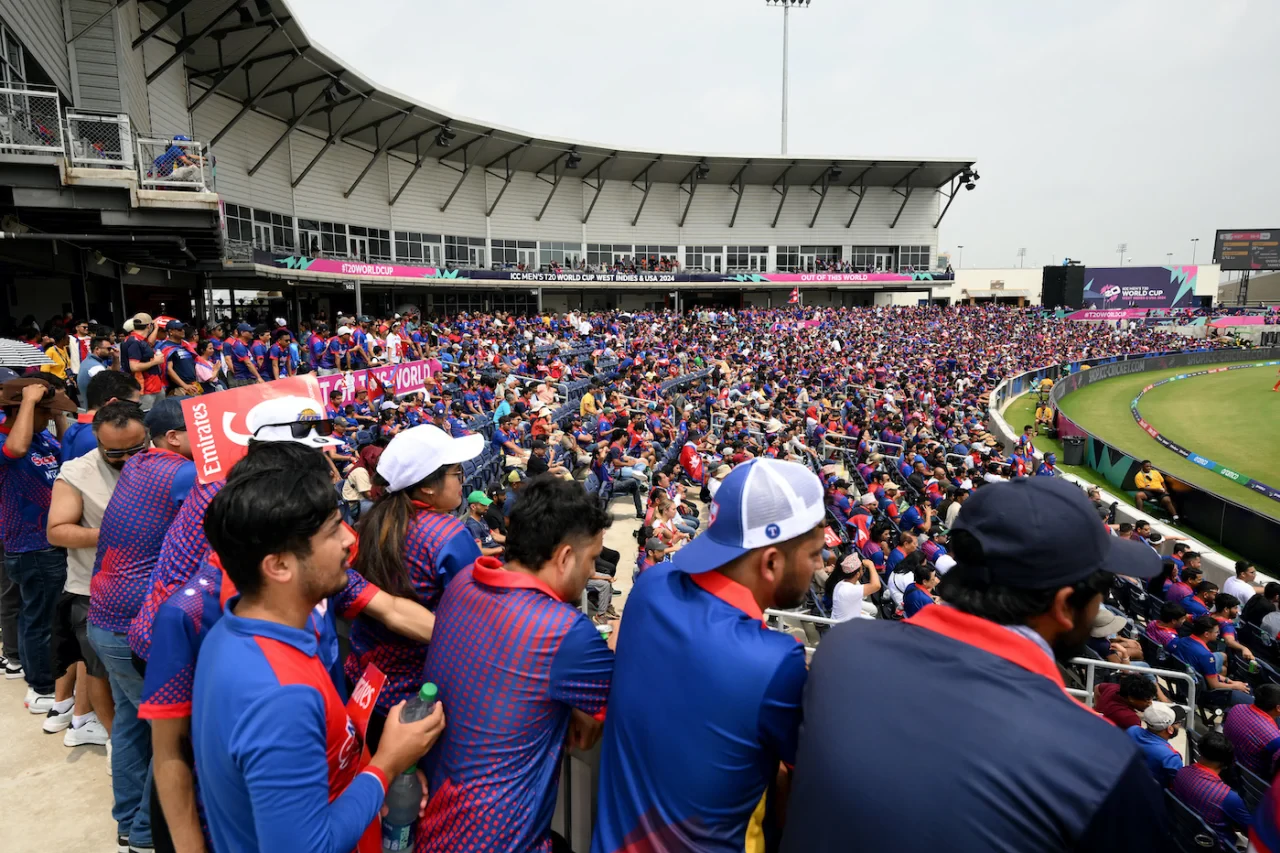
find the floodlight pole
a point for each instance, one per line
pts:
(786, 38)
(1194, 240)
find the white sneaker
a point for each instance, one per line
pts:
(39, 703)
(108, 756)
(12, 670)
(91, 732)
(55, 722)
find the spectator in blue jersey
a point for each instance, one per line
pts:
(411, 545)
(152, 487)
(279, 359)
(105, 387)
(920, 593)
(1194, 651)
(244, 368)
(282, 763)
(1201, 789)
(1253, 731)
(906, 547)
(491, 543)
(695, 781)
(29, 463)
(1201, 603)
(103, 355)
(1184, 585)
(1160, 725)
(1033, 565)
(518, 661)
(180, 362)
(1048, 468)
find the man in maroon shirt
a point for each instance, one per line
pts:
(1123, 702)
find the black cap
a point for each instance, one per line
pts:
(1039, 533)
(165, 415)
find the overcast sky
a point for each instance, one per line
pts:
(1092, 123)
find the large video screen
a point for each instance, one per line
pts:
(1140, 287)
(1247, 250)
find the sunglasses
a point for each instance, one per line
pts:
(302, 429)
(126, 452)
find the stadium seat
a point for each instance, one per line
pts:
(1190, 834)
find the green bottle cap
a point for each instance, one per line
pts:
(428, 692)
(410, 770)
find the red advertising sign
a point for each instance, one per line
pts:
(217, 423)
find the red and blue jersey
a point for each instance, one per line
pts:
(334, 353)
(26, 486)
(1163, 760)
(705, 702)
(511, 660)
(1254, 736)
(184, 548)
(146, 500)
(78, 438)
(279, 356)
(241, 357)
(186, 617)
(1202, 791)
(915, 598)
(436, 548)
(282, 762)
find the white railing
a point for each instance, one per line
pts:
(99, 140)
(30, 122)
(1091, 666)
(174, 164)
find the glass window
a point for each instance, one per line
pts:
(239, 223)
(603, 255)
(747, 259)
(417, 248)
(655, 258)
(789, 259)
(464, 251)
(914, 258)
(872, 258)
(559, 253)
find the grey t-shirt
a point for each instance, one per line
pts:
(95, 480)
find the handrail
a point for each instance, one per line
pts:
(1091, 665)
(800, 617)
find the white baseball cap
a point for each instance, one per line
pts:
(283, 418)
(945, 564)
(344, 330)
(760, 503)
(417, 453)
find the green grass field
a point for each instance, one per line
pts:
(1229, 417)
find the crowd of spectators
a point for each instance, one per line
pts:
(471, 523)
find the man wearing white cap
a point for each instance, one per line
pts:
(729, 689)
(1159, 726)
(412, 544)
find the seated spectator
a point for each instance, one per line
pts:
(1184, 586)
(1253, 732)
(1105, 625)
(1201, 789)
(848, 593)
(490, 543)
(1259, 607)
(1226, 609)
(1243, 585)
(1200, 603)
(1193, 650)
(1121, 702)
(920, 594)
(1160, 725)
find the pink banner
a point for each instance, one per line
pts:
(400, 379)
(1108, 314)
(363, 269)
(1241, 320)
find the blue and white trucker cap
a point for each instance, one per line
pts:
(760, 503)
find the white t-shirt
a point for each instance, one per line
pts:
(393, 348)
(1240, 589)
(95, 480)
(898, 583)
(847, 602)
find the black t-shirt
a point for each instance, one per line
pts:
(536, 466)
(1255, 608)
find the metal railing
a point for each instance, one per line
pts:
(1091, 666)
(99, 140)
(174, 164)
(30, 122)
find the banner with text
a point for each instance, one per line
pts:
(395, 379)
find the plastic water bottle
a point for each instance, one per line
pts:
(404, 795)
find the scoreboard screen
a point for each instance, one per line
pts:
(1247, 250)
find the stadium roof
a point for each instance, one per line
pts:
(258, 52)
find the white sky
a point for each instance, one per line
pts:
(1093, 122)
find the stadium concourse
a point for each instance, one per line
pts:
(848, 456)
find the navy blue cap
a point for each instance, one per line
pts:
(1039, 533)
(244, 327)
(438, 410)
(175, 326)
(165, 415)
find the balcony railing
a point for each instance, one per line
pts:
(30, 122)
(99, 140)
(174, 164)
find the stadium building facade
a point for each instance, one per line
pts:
(191, 156)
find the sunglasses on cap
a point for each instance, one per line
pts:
(302, 429)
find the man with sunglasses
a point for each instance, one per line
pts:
(152, 486)
(80, 496)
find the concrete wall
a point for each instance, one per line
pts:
(1029, 279)
(94, 56)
